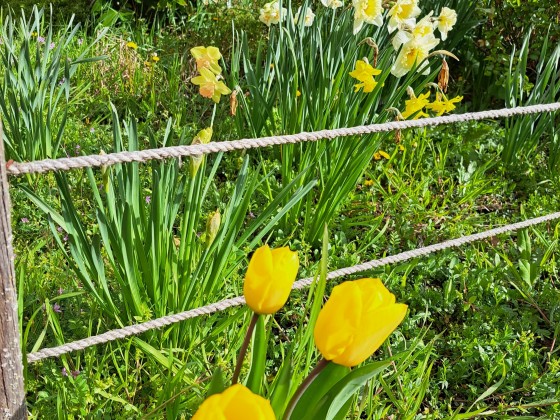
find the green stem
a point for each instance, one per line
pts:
(244, 347)
(304, 385)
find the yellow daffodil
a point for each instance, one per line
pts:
(131, 44)
(404, 12)
(210, 86)
(415, 105)
(332, 4)
(367, 11)
(307, 19)
(414, 52)
(236, 402)
(203, 137)
(207, 58)
(269, 279)
(272, 14)
(446, 20)
(356, 320)
(364, 72)
(442, 106)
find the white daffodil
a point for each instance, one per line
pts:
(414, 52)
(403, 12)
(424, 27)
(446, 20)
(307, 19)
(272, 14)
(332, 4)
(367, 11)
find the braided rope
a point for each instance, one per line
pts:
(240, 300)
(19, 168)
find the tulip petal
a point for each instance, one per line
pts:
(257, 278)
(373, 333)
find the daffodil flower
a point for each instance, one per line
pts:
(414, 52)
(307, 19)
(332, 4)
(364, 73)
(446, 20)
(207, 58)
(415, 105)
(272, 14)
(442, 106)
(367, 11)
(404, 12)
(210, 86)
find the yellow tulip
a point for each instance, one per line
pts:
(356, 320)
(269, 279)
(236, 402)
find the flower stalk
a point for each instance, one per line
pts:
(244, 347)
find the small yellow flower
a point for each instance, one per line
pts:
(269, 279)
(384, 154)
(377, 156)
(364, 72)
(414, 105)
(298, 93)
(356, 320)
(131, 44)
(368, 182)
(236, 402)
(155, 57)
(210, 86)
(207, 58)
(401, 148)
(34, 34)
(444, 106)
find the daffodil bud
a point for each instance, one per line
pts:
(269, 279)
(443, 76)
(104, 174)
(203, 137)
(212, 227)
(236, 402)
(356, 320)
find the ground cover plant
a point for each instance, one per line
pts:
(103, 248)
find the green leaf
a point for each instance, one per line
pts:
(281, 387)
(258, 357)
(322, 384)
(333, 405)
(217, 384)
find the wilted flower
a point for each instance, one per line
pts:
(404, 12)
(269, 278)
(308, 18)
(210, 86)
(356, 320)
(236, 402)
(207, 58)
(367, 11)
(272, 14)
(332, 4)
(414, 105)
(364, 73)
(446, 20)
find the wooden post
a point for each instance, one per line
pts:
(12, 393)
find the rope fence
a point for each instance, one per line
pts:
(65, 164)
(240, 300)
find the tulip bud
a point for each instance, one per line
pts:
(236, 402)
(212, 227)
(356, 320)
(269, 279)
(203, 137)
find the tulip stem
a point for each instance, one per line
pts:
(244, 346)
(304, 385)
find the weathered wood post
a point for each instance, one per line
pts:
(12, 393)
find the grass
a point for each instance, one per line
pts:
(479, 339)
